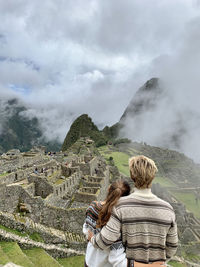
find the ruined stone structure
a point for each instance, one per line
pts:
(54, 193)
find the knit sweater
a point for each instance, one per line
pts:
(147, 224)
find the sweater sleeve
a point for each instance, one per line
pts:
(172, 240)
(110, 233)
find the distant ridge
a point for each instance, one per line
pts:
(18, 131)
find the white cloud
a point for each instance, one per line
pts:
(91, 56)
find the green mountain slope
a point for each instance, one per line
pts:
(83, 127)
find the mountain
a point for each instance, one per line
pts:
(18, 131)
(150, 108)
(83, 126)
(143, 101)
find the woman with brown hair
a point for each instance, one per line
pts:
(97, 215)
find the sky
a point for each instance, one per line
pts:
(65, 58)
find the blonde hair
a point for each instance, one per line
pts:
(142, 171)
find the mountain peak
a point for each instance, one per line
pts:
(144, 99)
(83, 126)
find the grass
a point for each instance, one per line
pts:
(40, 258)
(36, 237)
(15, 254)
(72, 261)
(60, 181)
(164, 181)
(177, 264)
(3, 174)
(3, 257)
(120, 159)
(133, 152)
(189, 200)
(191, 257)
(13, 231)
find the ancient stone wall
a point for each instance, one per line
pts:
(30, 188)
(69, 220)
(42, 187)
(86, 197)
(67, 171)
(85, 168)
(104, 185)
(68, 186)
(94, 166)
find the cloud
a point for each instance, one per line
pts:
(65, 58)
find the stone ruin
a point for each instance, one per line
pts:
(51, 189)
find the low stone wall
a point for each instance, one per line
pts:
(85, 197)
(91, 184)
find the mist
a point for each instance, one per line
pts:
(63, 59)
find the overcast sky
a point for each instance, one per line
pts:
(64, 58)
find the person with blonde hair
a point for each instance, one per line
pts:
(145, 222)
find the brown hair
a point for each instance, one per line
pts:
(142, 171)
(116, 190)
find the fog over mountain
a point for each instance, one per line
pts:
(66, 58)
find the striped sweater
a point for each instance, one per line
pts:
(148, 228)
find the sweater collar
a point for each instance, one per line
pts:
(143, 192)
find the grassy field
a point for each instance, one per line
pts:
(72, 261)
(164, 181)
(120, 158)
(177, 264)
(40, 258)
(3, 257)
(189, 200)
(15, 255)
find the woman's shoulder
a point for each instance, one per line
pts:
(94, 206)
(95, 203)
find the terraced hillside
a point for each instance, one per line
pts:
(34, 257)
(37, 257)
